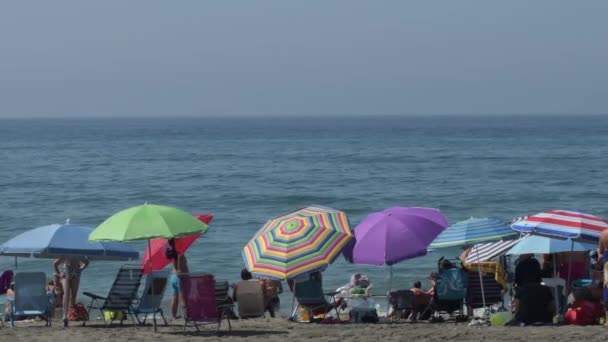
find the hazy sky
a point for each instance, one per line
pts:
(128, 57)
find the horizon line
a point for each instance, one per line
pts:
(283, 116)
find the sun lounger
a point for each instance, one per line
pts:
(31, 298)
(250, 298)
(122, 294)
(151, 298)
(450, 291)
(200, 295)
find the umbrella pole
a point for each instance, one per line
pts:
(293, 299)
(483, 295)
(15, 262)
(570, 265)
(152, 284)
(557, 298)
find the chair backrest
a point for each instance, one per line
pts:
(250, 297)
(451, 284)
(124, 289)
(154, 289)
(309, 292)
(222, 292)
(492, 290)
(30, 292)
(558, 283)
(200, 303)
(402, 299)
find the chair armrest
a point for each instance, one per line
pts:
(331, 294)
(93, 296)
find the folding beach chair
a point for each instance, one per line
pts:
(450, 291)
(31, 298)
(250, 298)
(310, 296)
(559, 291)
(403, 303)
(122, 294)
(200, 301)
(151, 298)
(492, 291)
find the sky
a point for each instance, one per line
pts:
(315, 57)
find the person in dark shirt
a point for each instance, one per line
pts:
(527, 270)
(534, 304)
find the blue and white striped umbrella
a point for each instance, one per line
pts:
(474, 230)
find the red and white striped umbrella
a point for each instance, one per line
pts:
(563, 224)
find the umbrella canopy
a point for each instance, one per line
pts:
(148, 221)
(63, 240)
(473, 230)
(159, 246)
(484, 252)
(535, 244)
(300, 242)
(394, 234)
(564, 224)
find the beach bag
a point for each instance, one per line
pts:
(584, 313)
(114, 315)
(78, 312)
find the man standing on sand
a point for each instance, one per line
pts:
(603, 248)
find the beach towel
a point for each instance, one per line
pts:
(6, 277)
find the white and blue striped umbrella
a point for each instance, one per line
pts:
(474, 230)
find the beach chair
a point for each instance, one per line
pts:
(310, 296)
(250, 298)
(402, 302)
(201, 301)
(31, 298)
(122, 294)
(449, 295)
(151, 298)
(558, 286)
(492, 291)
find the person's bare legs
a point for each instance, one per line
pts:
(66, 299)
(174, 306)
(74, 285)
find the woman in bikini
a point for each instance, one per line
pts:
(72, 268)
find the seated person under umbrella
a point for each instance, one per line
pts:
(533, 302)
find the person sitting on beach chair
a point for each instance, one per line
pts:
(533, 302)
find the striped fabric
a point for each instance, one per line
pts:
(473, 230)
(564, 224)
(489, 251)
(300, 242)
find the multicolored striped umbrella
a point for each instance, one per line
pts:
(563, 224)
(473, 230)
(297, 243)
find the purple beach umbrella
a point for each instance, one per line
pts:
(395, 234)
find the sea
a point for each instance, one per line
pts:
(246, 170)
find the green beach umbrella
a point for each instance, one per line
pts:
(148, 221)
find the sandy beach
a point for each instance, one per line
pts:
(272, 330)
